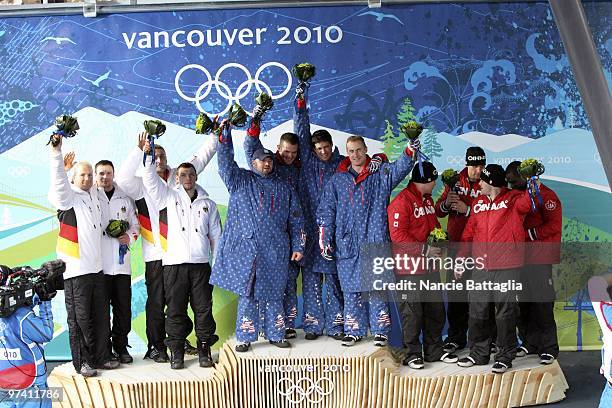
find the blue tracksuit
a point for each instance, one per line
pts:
(264, 226)
(290, 174)
(24, 366)
(314, 174)
(353, 213)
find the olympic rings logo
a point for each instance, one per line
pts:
(19, 171)
(224, 90)
(454, 159)
(314, 392)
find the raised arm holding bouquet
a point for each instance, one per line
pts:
(413, 130)
(154, 129)
(304, 72)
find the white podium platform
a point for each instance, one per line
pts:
(318, 373)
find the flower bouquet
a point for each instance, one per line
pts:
(304, 72)
(437, 236)
(450, 177)
(413, 130)
(531, 170)
(115, 229)
(154, 129)
(66, 125)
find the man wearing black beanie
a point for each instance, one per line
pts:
(455, 203)
(494, 237)
(411, 218)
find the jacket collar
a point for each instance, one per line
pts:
(278, 161)
(345, 165)
(201, 192)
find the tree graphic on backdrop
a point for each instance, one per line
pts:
(430, 145)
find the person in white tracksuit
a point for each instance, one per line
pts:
(117, 205)
(79, 245)
(194, 229)
(154, 243)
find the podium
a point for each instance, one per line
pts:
(319, 373)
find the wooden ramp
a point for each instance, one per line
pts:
(318, 373)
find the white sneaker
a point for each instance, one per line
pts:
(449, 358)
(547, 359)
(380, 340)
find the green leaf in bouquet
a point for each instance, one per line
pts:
(154, 127)
(67, 124)
(530, 167)
(437, 235)
(204, 124)
(237, 116)
(304, 71)
(265, 101)
(116, 228)
(412, 129)
(450, 177)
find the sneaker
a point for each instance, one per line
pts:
(123, 356)
(109, 365)
(522, 351)
(546, 358)
(189, 349)
(86, 371)
(177, 358)
(416, 363)
(449, 358)
(350, 340)
(380, 340)
(281, 343)
(450, 347)
(466, 362)
(500, 368)
(290, 334)
(337, 336)
(242, 347)
(204, 355)
(311, 336)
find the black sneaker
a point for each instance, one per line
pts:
(123, 355)
(242, 347)
(547, 359)
(522, 351)
(337, 336)
(86, 371)
(500, 368)
(189, 349)
(281, 343)
(177, 358)
(290, 334)
(416, 363)
(451, 347)
(349, 340)
(204, 355)
(109, 365)
(466, 362)
(311, 336)
(380, 340)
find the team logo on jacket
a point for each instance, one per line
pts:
(468, 191)
(247, 325)
(424, 210)
(123, 209)
(550, 205)
(311, 320)
(481, 206)
(383, 319)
